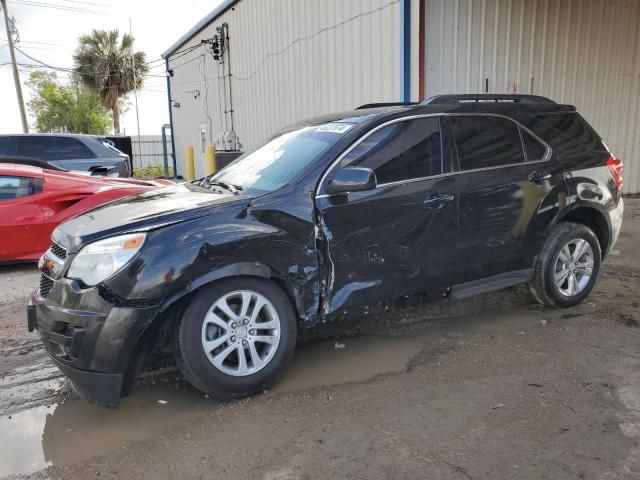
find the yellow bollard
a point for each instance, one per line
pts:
(190, 164)
(211, 166)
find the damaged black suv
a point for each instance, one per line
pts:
(328, 219)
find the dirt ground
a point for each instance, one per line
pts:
(494, 387)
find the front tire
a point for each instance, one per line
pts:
(236, 336)
(566, 269)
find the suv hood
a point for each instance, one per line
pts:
(144, 211)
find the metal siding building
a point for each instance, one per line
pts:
(582, 52)
(293, 59)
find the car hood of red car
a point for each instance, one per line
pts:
(144, 211)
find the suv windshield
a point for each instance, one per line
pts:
(277, 162)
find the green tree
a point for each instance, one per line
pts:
(67, 108)
(107, 64)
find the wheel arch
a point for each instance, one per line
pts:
(593, 218)
(171, 310)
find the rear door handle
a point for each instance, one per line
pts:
(437, 201)
(537, 177)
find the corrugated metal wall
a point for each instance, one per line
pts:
(582, 52)
(291, 59)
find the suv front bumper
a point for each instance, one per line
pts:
(91, 341)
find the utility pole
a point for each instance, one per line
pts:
(16, 75)
(135, 94)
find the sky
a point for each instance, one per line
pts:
(51, 34)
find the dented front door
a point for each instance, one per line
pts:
(399, 238)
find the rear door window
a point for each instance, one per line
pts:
(50, 148)
(34, 147)
(4, 145)
(401, 151)
(532, 146)
(486, 141)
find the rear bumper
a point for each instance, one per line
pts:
(91, 341)
(615, 220)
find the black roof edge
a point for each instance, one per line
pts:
(33, 162)
(486, 97)
(386, 104)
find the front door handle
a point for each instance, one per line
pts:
(537, 177)
(437, 201)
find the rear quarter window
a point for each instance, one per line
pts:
(68, 148)
(567, 133)
(15, 187)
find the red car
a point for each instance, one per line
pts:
(34, 200)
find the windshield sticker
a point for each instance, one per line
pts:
(334, 127)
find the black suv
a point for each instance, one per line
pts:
(328, 219)
(77, 153)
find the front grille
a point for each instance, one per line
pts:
(45, 285)
(58, 251)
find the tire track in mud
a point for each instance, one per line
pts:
(27, 377)
(26, 386)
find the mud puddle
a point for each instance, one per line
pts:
(345, 361)
(75, 430)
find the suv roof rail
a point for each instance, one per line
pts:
(485, 97)
(386, 104)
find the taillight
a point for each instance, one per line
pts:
(615, 167)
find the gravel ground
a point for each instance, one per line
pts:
(494, 387)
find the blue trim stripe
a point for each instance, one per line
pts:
(173, 141)
(405, 50)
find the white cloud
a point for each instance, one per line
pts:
(51, 35)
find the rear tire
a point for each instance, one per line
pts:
(567, 267)
(235, 337)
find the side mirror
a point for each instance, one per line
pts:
(352, 179)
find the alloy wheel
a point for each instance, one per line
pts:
(241, 333)
(574, 267)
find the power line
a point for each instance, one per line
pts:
(188, 61)
(67, 69)
(41, 62)
(182, 53)
(56, 7)
(95, 4)
(35, 43)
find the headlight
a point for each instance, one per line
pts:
(99, 260)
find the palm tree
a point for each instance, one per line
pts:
(109, 66)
